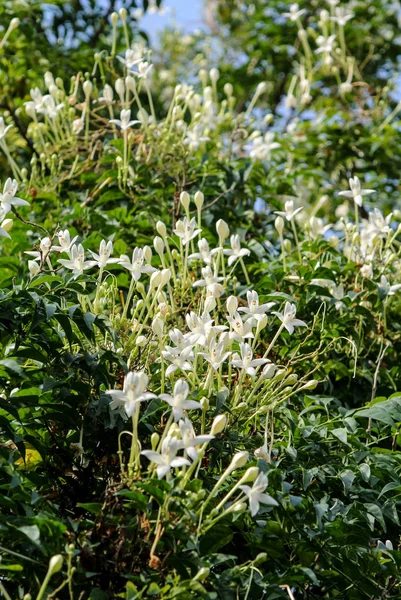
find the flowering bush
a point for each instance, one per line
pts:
(199, 309)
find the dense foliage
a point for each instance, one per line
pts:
(200, 298)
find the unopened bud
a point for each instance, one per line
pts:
(88, 87)
(214, 75)
(123, 14)
(311, 385)
(161, 229)
(218, 424)
(250, 475)
(185, 200)
(210, 304)
(7, 225)
(222, 229)
(239, 460)
(279, 225)
(55, 564)
(199, 199)
(232, 305)
(114, 18)
(228, 90)
(154, 440)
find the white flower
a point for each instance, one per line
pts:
(44, 249)
(65, 241)
(77, 262)
(144, 69)
(204, 253)
(199, 327)
(325, 44)
(133, 56)
(247, 362)
(3, 128)
(34, 267)
(178, 339)
(190, 441)
(236, 251)
(194, 137)
(49, 107)
(289, 213)
(255, 309)
(105, 251)
(241, 330)
(288, 317)
(210, 282)
(342, 16)
(8, 197)
(178, 401)
(134, 391)
(166, 459)
(378, 225)
(262, 146)
(366, 271)
(216, 354)
(186, 230)
(388, 289)
(179, 359)
(355, 192)
(136, 267)
(124, 122)
(256, 495)
(295, 13)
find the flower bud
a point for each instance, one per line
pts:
(232, 305)
(222, 229)
(268, 371)
(114, 18)
(161, 229)
(158, 326)
(199, 199)
(250, 475)
(14, 23)
(214, 75)
(262, 87)
(7, 225)
(185, 200)
(55, 564)
(228, 90)
(155, 279)
(34, 268)
(287, 245)
(268, 119)
(279, 225)
(147, 253)
(123, 13)
(367, 271)
(261, 558)
(203, 77)
(165, 276)
(239, 460)
(205, 403)
(291, 379)
(154, 440)
(241, 405)
(141, 341)
(158, 245)
(280, 374)
(311, 385)
(218, 424)
(88, 87)
(120, 88)
(237, 507)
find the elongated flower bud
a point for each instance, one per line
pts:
(279, 225)
(55, 564)
(222, 229)
(185, 200)
(239, 460)
(218, 424)
(161, 229)
(199, 199)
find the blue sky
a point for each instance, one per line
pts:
(187, 13)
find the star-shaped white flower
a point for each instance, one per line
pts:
(355, 192)
(246, 361)
(166, 459)
(236, 252)
(136, 266)
(288, 317)
(124, 122)
(8, 198)
(178, 401)
(134, 391)
(256, 495)
(104, 257)
(77, 263)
